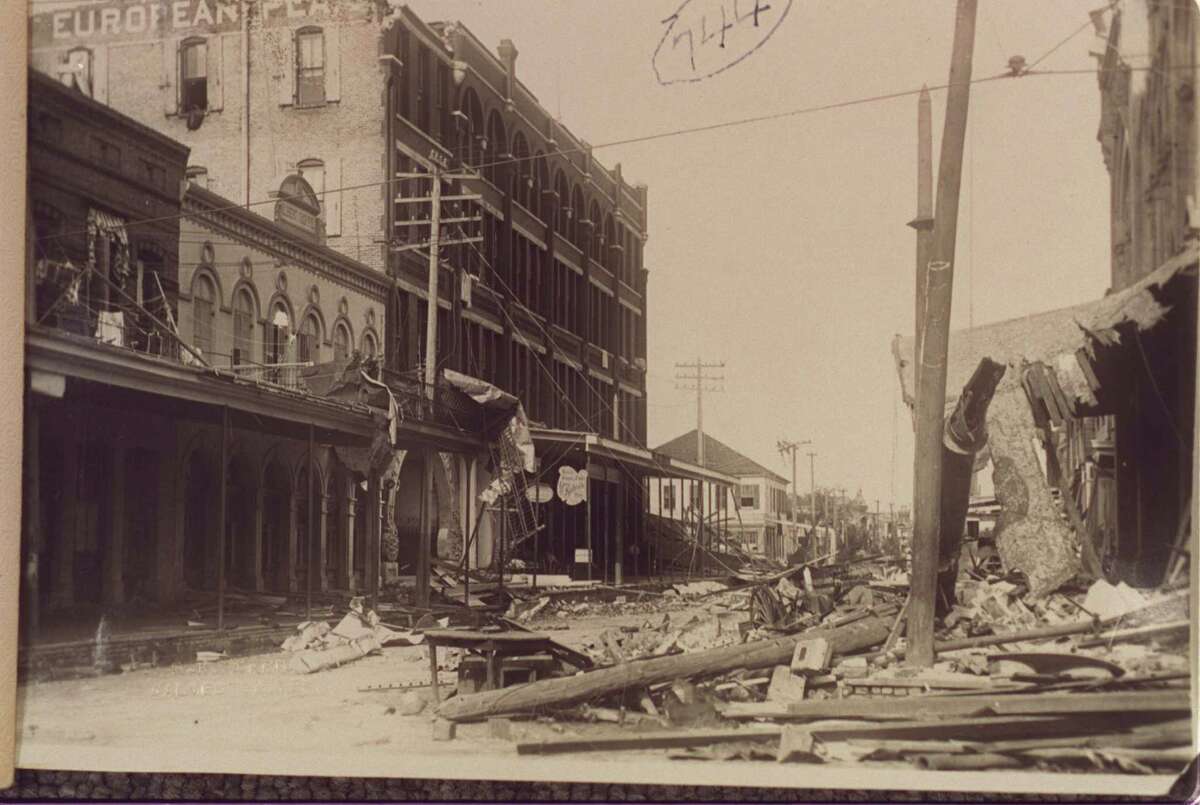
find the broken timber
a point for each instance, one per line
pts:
(647, 740)
(1152, 701)
(584, 687)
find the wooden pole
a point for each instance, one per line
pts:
(431, 312)
(308, 532)
(923, 223)
(222, 517)
(935, 336)
(562, 691)
(372, 547)
(425, 531)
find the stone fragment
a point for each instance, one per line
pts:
(444, 730)
(785, 686)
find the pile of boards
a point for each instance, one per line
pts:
(1105, 689)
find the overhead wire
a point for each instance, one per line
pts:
(638, 139)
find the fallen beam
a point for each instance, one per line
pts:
(1151, 701)
(647, 740)
(971, 729)
(1045, 633)
(643, 673)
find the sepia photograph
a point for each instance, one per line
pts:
(775, 393)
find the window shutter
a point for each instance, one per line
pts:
(216, 75)
(287, 80)
(170, 75)
(332, 202)
(219, 46)
(333, 64)
(100, 74)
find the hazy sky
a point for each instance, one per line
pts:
(780, 247)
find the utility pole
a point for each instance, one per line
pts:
(698, 379)
(923, 223)
(435, 176)
(934, 338)
(785, 446)
(812, 497)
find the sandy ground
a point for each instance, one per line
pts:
(256, 703)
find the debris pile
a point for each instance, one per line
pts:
(316, 646)
(807, 665)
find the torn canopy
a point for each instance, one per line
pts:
(516, 442)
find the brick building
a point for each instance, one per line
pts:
(549, 305)
(199, 415)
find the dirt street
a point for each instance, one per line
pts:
(256, 704)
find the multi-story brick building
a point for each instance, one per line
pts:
(203, 410)
(1150, 134)
(357, 97)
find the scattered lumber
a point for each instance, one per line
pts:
(642, 673)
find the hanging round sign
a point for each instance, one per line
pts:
(540, 493)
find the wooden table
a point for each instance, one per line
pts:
(495, 646)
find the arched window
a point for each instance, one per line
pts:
(559, 203)
(575, 217)
(308, 342)
(341, 342)
(310, 67)
(243, 326)
(369, 348)
(279, 327)
(495, 143)
(193, 75)
(202, 314)
(313, 172)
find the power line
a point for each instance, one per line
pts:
(645, 138)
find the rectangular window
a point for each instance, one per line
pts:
(310, 68)
(748, 496)
(193, 71)
(669, 498)
(423, 89)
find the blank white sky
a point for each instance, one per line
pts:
(781, 247)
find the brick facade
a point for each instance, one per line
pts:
(551, 305)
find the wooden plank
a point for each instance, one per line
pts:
(973, 729)
(1152, 701)
(647, 740)
(1138, 632)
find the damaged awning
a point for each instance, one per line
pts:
(1054, 338)
(516, 434)
(653, 463)
(1064, 365)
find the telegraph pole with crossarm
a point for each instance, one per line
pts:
(697, 378)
